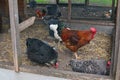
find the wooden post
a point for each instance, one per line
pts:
(13, 10)
(113, 10)
(57, 1)
(25, 8)
(117, 38)
(118, 64)
(1, 23)
(86, 2)
(69, 10)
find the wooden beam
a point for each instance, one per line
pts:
(1, 23)
(117, 38)
(25, 24)
(86, 2)
(118, 65)
(113, 10)
(69, 10)
(25, 8)
(57, 1)
(13, 10)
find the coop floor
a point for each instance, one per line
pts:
(99, 47)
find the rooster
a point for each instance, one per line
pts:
(41, 14)
(74, 39)
(40, 52)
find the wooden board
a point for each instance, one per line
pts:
(25, 24)
(13, 10)
(116, 66)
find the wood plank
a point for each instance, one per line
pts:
(86, 2)
(57, 1)
(117, 41)
(1, 23)
(118, 65)
(106, 23)
(63, 73)
(25, 8)
(13, 9)
(21, 7)
(25, 24)
(69, 10)
(113, 9)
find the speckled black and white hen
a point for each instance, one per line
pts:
(40, 52)
(89, 66)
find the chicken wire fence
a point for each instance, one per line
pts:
(94, 10)
(91, 12)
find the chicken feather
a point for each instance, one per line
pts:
(74, 39)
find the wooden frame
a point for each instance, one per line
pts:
(69, 10)
(15, 31)
(1, 23)
(110, 23)
(116, 65)
(14, 21)
(86, 2)
(16, 28)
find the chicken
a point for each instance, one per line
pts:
(74, 39)
(41, 14)
(89, 66)
(54, 27)
(40, 52)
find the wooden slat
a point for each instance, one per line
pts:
(117, 41)
(57, 1)
(25, 24)
(21, 7)
(118, 65)
(106, 23)
(1, 23)
(13, 9)
(69, 10)
(86, 2)
(113, 9)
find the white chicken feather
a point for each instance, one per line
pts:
(54, 27)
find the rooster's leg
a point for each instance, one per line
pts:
(76, 55)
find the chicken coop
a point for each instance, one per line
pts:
(21, 25)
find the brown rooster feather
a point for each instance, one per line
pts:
(74, 39)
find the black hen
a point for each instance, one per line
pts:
(89, 66)
(40, 52)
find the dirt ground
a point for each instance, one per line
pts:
(99, 47)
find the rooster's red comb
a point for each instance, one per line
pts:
(93, 29)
